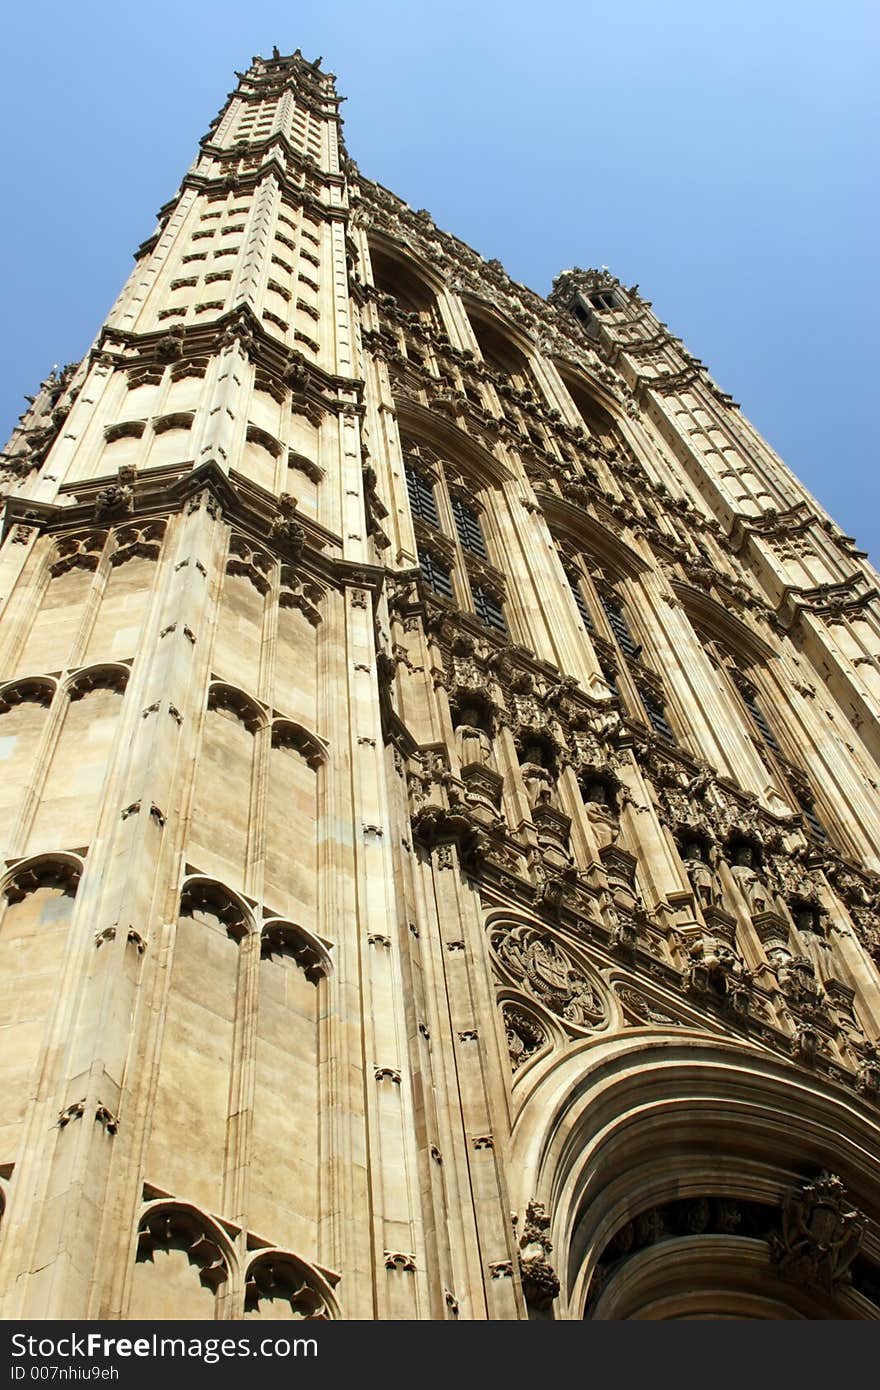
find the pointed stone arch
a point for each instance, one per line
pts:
(615, 1132)
(38, 690)
(276, 1278)
(191, 1241)
(111, 675)
(312, 955)
(230, 908)
(286, 733)
(58, 869)
(247, 710)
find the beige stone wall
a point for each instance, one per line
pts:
(439, 813)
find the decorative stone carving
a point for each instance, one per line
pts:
(180, 1226)
(642, 1007)
(539, 1279)
(525, 1036)
(548, 972)
(715, 970)
(278, 1277)
(113, 500)
(744, 862)
(821, 1234)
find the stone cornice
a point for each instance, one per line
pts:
(162, 347)
(307, 165)
(162, 491)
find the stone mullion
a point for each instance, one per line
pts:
(252, 262)
(345, 1229)
(460, 929)
(19, 605)
(671, 894)
(455, 323)
(337, 304)
(42, 761)
(221, 429)
(517, 552)
(455, 317)
(388, 457)
(574, 653)
(859, 970)
(849, 773)
(425, 715)
(257, 826)
(549, 379)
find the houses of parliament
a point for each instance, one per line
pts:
(439, 798)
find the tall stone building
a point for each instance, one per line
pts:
(439, 798)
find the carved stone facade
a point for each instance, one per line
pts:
(440, 782)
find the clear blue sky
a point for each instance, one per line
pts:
(720, 154)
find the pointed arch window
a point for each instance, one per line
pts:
(580, 602)
(421, 495)
(758, 717)
(467, 524)
(436, 575)
(488, 609)
(619, 626)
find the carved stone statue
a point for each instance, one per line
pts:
(714, 968)
(536, 777)
(472, 741)
(698, 866)
(745, 872)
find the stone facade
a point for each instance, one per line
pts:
(440, 816)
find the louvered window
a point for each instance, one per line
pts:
(580, 601)
(760, 721)
(421, 496)
(435, 574)
(814, 825)
(618, 624)
(467, 524)
(657, 716)
(487, 608)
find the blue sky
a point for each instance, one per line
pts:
(720, 154)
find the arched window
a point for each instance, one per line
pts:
(620, 653)
(451, 535)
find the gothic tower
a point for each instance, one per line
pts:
(439, 799)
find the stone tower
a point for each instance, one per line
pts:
(439, 809)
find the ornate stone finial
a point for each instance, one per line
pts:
(821, 1234)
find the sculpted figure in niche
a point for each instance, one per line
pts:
(471, 738)
(808, 920)
(537, 778)
(696, 856)
(745, 860)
